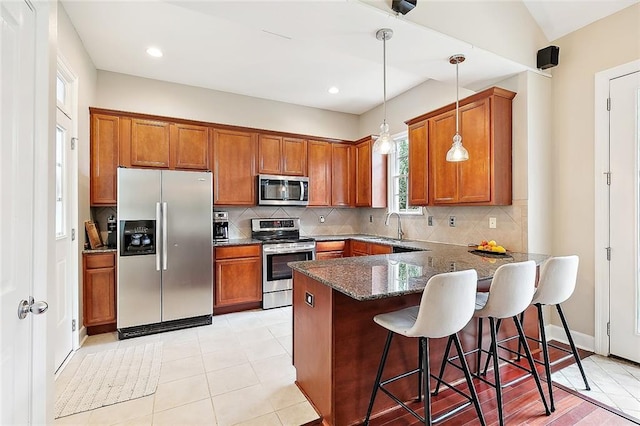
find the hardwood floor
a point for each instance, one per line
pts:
(521, 404)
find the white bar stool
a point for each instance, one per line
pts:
(447, 305)
(558, 276)
(510, 293)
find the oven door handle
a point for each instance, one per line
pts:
(285, 251)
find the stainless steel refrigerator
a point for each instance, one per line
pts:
(165, 259)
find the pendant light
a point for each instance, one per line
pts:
(384, 144)
(457, 152)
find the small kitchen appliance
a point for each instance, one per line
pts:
(112, 234)
(274, 190)
(220, 227)
(281, 244)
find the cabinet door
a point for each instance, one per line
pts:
(443, 176)
(418, 164)
(294, 157)
(474, 175)
(234, 167)
(363, 174)
(99, 289)
(238, 281)
(329, 255)
(342, 174)
(189, 147)
(105, 141)
(380, 249)
(269, 153)
(149, 144)
(319, 172)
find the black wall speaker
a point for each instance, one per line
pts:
(403, 6)
(548, 57)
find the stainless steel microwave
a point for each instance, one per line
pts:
(276, 190)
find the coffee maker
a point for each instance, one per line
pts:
(111, 232)
(220, 226)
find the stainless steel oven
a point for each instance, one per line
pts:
(281, 244)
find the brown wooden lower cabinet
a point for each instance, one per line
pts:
(330, 249)
(99, 292)
(238, 275)
(361, 248)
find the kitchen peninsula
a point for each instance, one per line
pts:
(336, 344)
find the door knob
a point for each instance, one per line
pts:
(36, 308)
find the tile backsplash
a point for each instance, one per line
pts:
(472, 223)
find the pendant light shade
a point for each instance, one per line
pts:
(457, 152)
(384, 144)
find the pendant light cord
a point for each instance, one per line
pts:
(384, 76)
(457, 96)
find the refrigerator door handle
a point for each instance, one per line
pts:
(164, 236)
(158, 214)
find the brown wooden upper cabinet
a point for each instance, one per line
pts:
(342, 175)
(104, 144)
(234, 167)
(485, 127)
(165, 145)
(278, 155)
(319, 172)
(371, 175)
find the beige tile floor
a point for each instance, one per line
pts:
(237, 371)
(614, 383)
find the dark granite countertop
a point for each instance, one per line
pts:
(236, 242)
(411, 244)
(99, 250)
(388, 275)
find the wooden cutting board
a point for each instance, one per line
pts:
(92, 234)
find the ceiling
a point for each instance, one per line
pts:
(292, 51)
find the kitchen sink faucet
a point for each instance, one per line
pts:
(386, 223)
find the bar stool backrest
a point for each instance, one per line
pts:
(447, 304)
(557, 281)
(511, 290)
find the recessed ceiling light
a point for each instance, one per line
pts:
(155, 52)
(333, 90)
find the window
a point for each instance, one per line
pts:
(60, 182)
(398, 178)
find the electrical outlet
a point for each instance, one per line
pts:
(492, 222)
(452, 266)
(430, 221)
(321, 219)
(370, 218)
(452, 221)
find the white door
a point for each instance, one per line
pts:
(62, 309)
(624, 148)
(25, 373)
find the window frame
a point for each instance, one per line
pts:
(393, 176)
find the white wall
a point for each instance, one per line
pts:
(607, 43)
(505, 28)
(70, 47)
(135, 94)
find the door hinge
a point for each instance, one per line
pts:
(73, 234)
(73, 325)
(608, 104)
(608, 174)
(608, 329)
(73, 143)
(608, 249)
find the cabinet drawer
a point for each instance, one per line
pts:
(94, 261)
(237, 251)
(329, 246)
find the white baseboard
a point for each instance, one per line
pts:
(582, 341)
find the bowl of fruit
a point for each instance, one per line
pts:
(490, 247)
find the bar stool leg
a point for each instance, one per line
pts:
(376, 385)
(532, 364)
(419, 372)
(573, 346)
(467, 376)
(424, 343)
(479, 346)
(496, 369)
(443, 365)
(486, 364)
(519, 356)
(545, 353)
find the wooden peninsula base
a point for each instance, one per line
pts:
(337, 348)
